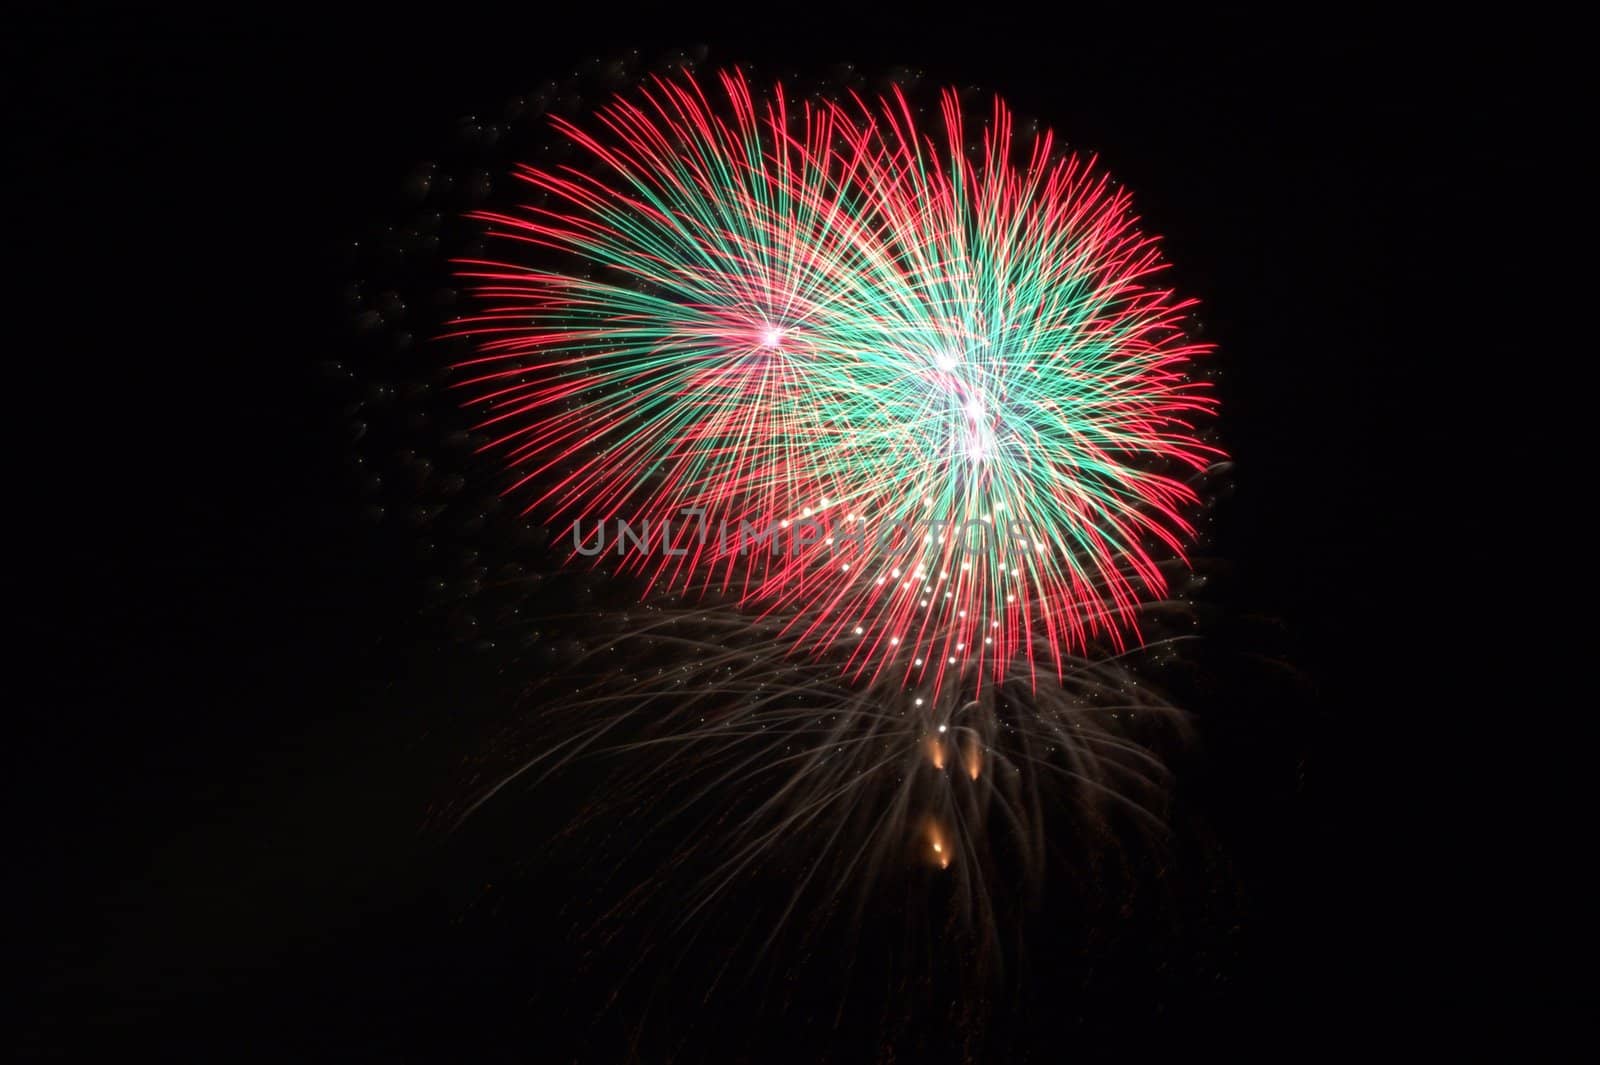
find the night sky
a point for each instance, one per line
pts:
(233, 711)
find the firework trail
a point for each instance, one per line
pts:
(750, 759)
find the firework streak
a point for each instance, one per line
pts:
(745, 308)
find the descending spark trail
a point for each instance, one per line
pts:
(768, 311)
(715, 725)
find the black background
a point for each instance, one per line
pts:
(227, 724)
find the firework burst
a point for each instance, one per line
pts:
(949, 364)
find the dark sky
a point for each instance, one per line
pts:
(231, 723)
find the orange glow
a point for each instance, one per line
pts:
(936, 842)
